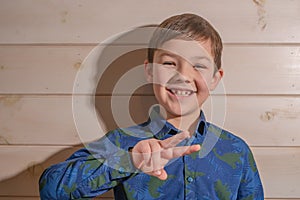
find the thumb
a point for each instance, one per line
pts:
(160, 174)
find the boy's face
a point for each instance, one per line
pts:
(183, 73)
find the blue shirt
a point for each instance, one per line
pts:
(224, 168)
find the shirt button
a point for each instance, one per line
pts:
(190, 179)
(121, 170)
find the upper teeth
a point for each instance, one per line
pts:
(181, 92)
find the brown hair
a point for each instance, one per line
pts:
(186, 26)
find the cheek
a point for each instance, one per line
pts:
(162, 75)
(203, 81)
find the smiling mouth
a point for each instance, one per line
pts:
(181, 92)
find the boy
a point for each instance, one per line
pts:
(161, 158)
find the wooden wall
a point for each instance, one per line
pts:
(42, 46)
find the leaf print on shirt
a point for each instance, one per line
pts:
(117, 141)
(99, 181)
(122, 161)
(130, 193)
(137, 188)
(248, 198)
(216, 131)
(252, 162)
(71, 189)
(195, 155)
(192, 173)
(230, 158)
(222, 190)
(155, 183)
(91, 164)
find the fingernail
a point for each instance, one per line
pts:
(157, 172)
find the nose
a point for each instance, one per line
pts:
(185, 71)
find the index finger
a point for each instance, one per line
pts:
(176, 152)
(174, 140)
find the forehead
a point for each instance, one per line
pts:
(187, 49)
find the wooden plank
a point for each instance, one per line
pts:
(37, 21)
(272, 169)
(41, 120)
(19, 198)
(40, 69)
(52, 70)
(260, 120)
(38, 198)
(264, 121)
(24, 164)
(31, 120)
(261, 69)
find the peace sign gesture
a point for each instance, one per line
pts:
(152, 155)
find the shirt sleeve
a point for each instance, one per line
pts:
(89, 172)
(251, 185)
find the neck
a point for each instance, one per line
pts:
(187, 122)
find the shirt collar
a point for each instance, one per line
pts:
(159, 127)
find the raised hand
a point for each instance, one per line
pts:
(152, 155)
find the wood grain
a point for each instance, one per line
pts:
(260, 120)
(53, 69)
(37, 21)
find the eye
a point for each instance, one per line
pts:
(199, 66)
(169, 63)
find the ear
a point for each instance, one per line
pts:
(216, 79)
(148, 71)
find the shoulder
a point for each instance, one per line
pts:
(232, 149)
(225, 135)
(128, 136)
(136, 131)
(227, 140)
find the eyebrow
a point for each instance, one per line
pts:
(202, 58)
(164, 53)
